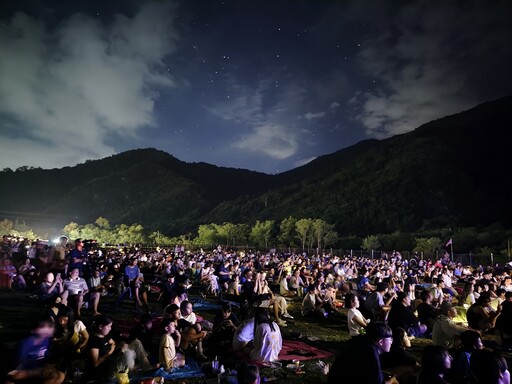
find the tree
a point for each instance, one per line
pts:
(428, 245)
(6, 226)
(287, 233)
(207, 235)
(370, 243)
(303, 230)
(322, 231)
(72, 230)
(102, 223)
(261, 232)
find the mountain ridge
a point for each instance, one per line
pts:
(450, 171)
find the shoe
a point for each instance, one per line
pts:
(287, 315)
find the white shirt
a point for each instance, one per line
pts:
(354, 328)
(267, 343)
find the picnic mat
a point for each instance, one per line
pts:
(298, 350)
(190, 370)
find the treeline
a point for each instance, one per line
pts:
(312, 235)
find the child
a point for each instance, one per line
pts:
(168, 356)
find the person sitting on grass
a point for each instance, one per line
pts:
(398, 360)
(359, 362)
(435, 363)
(267, 337)
(169, 358)
(311, 306)
(247, 374)
(489, 367)
(225, 324)
(446, 331)
(401, 316)
(34, 365)
(355, 319)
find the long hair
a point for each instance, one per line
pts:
(261, 316)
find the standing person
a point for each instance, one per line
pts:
(267, 338)
(75, 289)
(76, 257)
(57, 256)
(361, 362)
(168, 357)
(355, 319)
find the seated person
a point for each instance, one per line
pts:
(71, 336)
(480, 315)
(33, 360)
(247, 374)
(401, 316)
(141, 341)
(359, 362)
(489, 367)
(311, 306)
(244, 336)
(168, 357)
(225, 324)
(50, 288)
(99, 361)
(398, 361)
(470, 342)
(377, 303)
(267, 338)
(504, 322)
(191, 334)
(263, 293)
(75, 289)
(446, 331)
(435, 363)
(284, 290)
(427, 313)
(355, 320)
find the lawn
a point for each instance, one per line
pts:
(17, 311)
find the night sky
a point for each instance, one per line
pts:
(266, 85)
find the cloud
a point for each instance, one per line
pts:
(265, 117)
(428, 68)
(67, 93)
(312, 116)
(301, 162)
(271, 139)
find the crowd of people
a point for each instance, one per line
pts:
(387, 301)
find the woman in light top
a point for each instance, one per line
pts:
(267, 338)
(355, 320)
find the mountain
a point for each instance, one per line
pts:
(451, 171)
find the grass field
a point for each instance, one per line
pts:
(17, 311)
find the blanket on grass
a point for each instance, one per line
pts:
(298, 350)
(191, 369)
